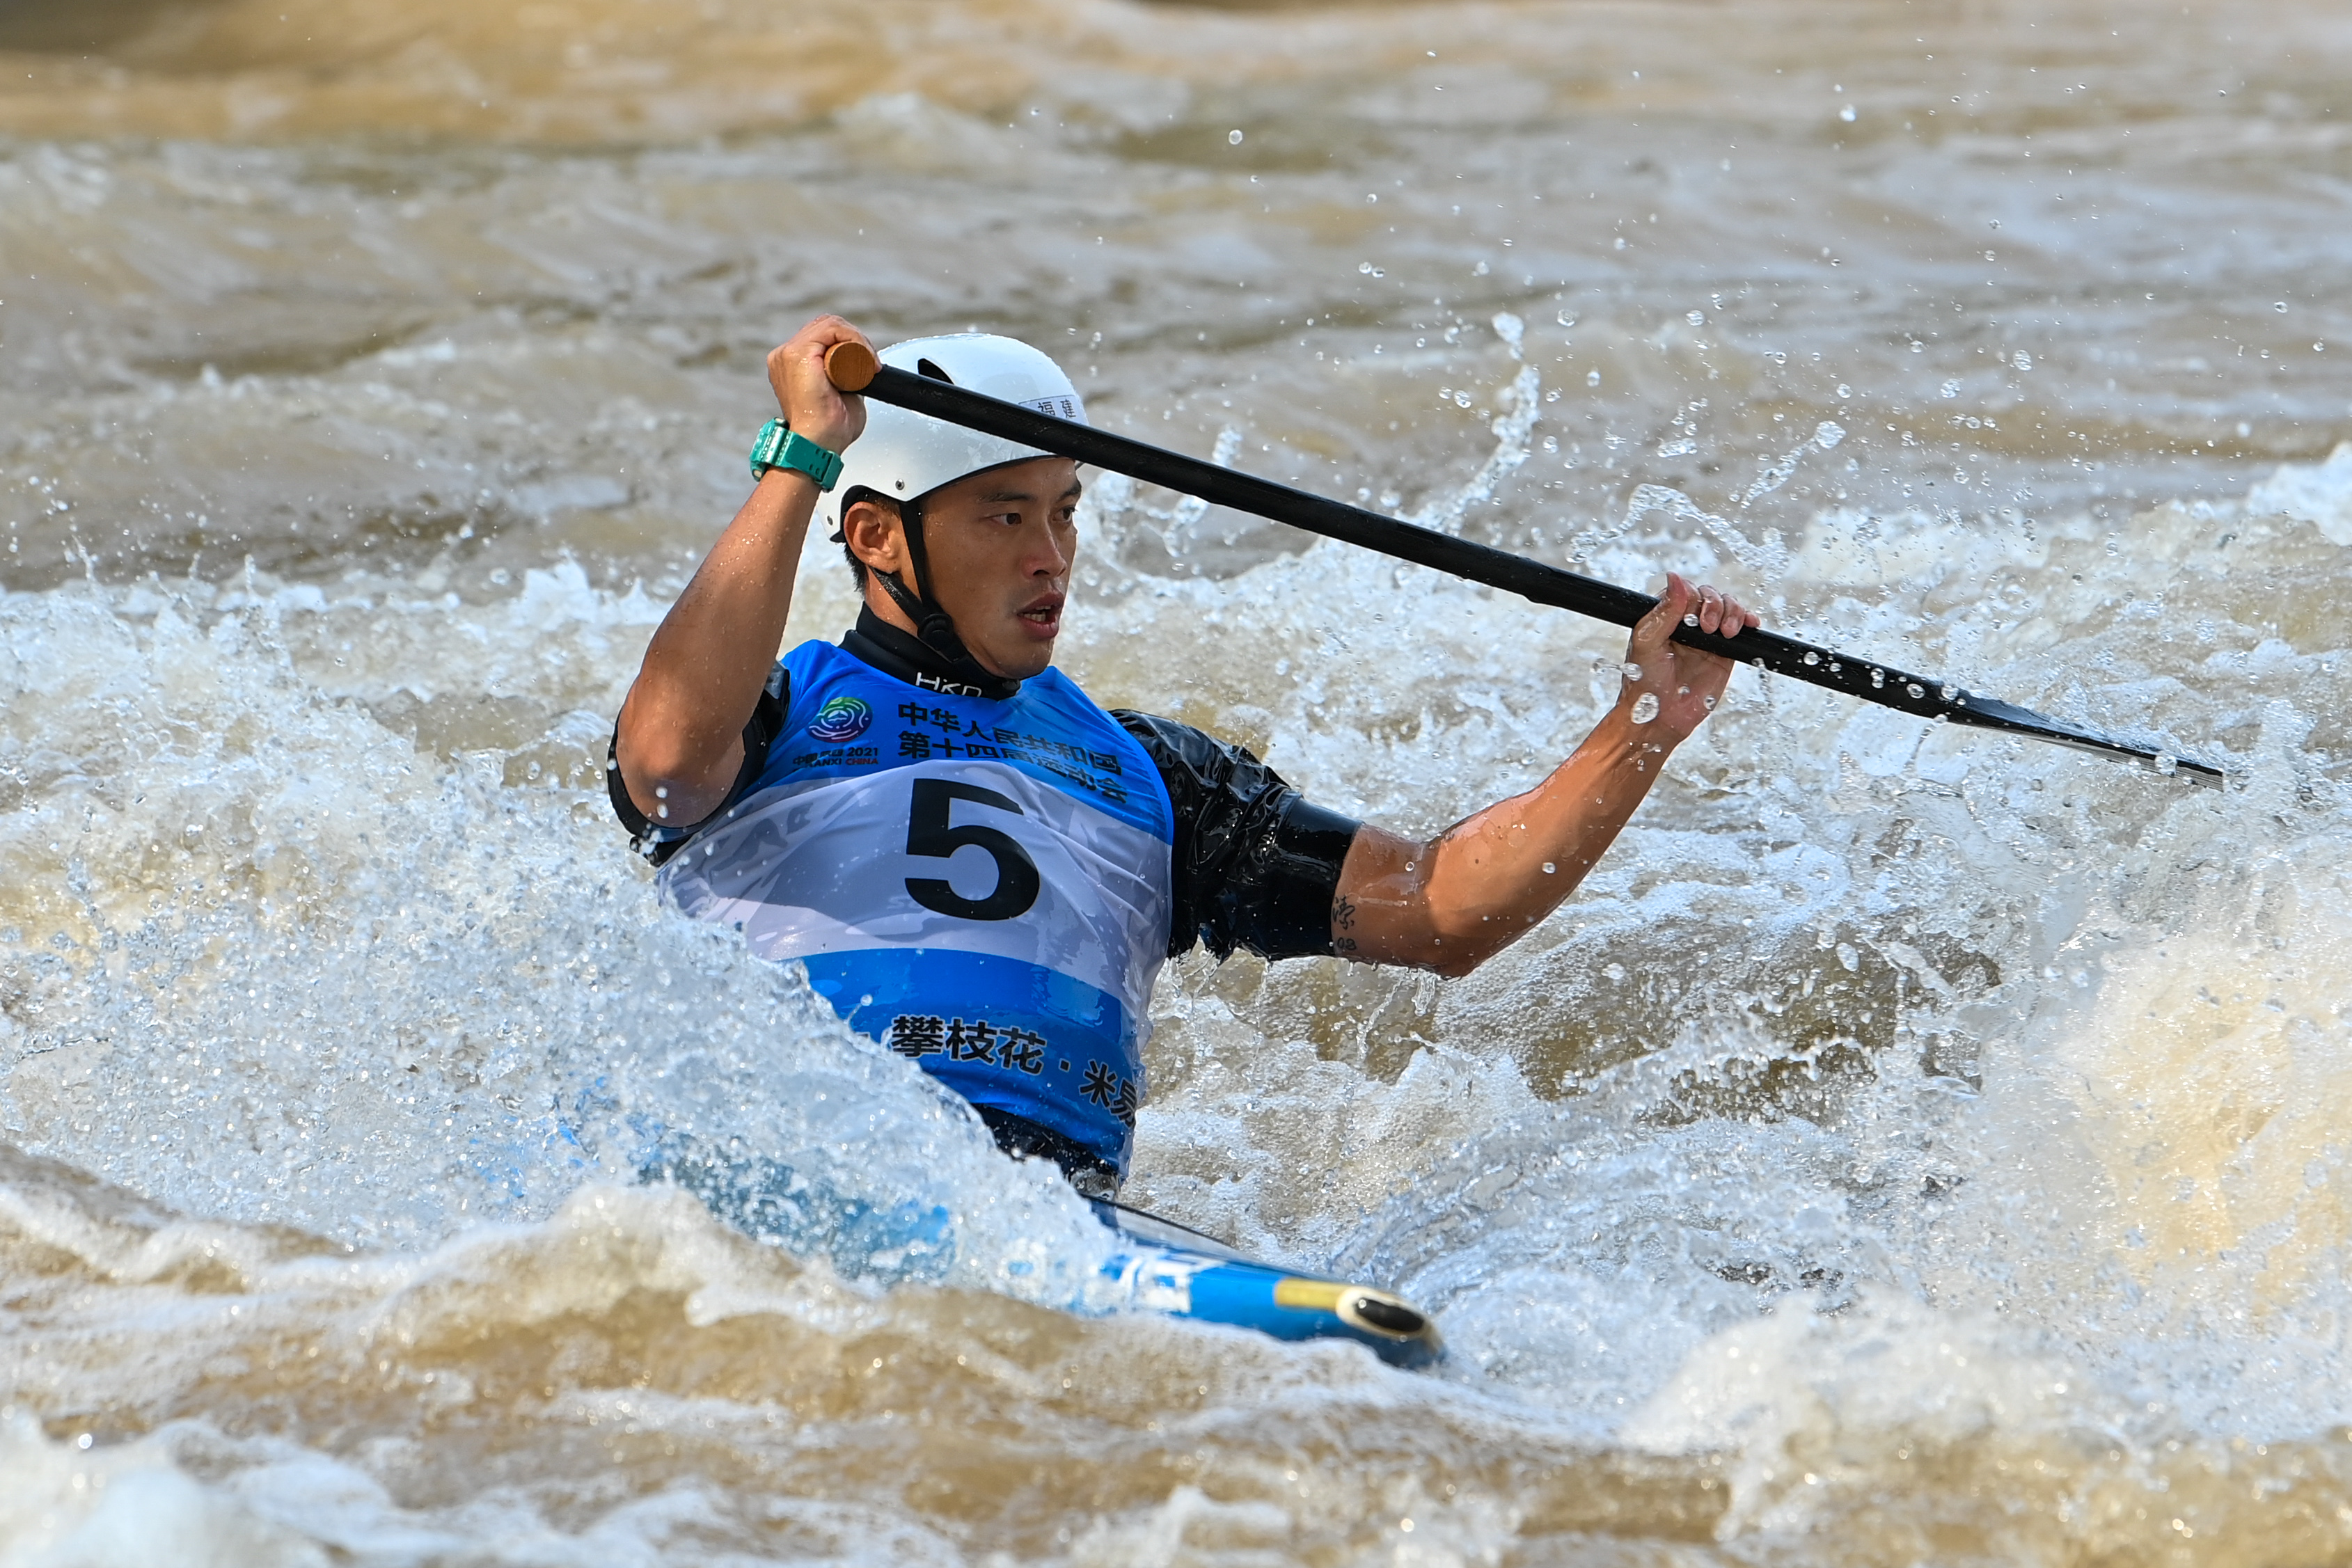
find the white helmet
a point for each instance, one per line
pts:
(903, 454)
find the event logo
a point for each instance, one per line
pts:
(841, 719)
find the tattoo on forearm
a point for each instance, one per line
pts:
(1343, 944)
(1343, 915)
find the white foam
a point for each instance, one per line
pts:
(2319, 492)
(69, 1505)
(386, 997)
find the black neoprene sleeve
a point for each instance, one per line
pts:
(1256, 864)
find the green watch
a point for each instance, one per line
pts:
(779, 447)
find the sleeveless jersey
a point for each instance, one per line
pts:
(984, 886)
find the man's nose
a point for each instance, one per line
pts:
(1047, 557)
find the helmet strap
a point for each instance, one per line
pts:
(934, 628)
(913, 608)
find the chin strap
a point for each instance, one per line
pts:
(933, 627)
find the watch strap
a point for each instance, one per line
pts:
(780, 448)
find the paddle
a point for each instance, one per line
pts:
(853, 368)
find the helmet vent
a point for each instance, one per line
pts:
(926, 367)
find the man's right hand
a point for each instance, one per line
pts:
(811, 406)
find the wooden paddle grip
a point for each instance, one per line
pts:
(850, 366)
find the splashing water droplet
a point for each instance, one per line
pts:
(1550, 869)
(1629, 670)
(1592, 378)
(1847, 114)
(1616, 971)
(1948, 692)
(1812, 658)
(1878, 677)
(1709, 701)
(1234, 137)
(1697, 318)
(1916, 689)
(1691, 619)
(1645, 707)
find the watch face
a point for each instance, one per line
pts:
(773, 435)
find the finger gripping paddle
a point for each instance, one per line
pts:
(853, 368)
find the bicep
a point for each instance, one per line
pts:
(663, 781)
(639, 795)
(1379, 913)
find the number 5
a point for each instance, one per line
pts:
(928, 834)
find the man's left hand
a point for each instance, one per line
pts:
(1686, 682)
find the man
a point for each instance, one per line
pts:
(976, 864)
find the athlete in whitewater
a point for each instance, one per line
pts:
(979, 866)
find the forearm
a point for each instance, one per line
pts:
(1456, 901)
(681, 729)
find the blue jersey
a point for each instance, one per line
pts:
(983, 885)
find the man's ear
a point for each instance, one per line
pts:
(872, 530)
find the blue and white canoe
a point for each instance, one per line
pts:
(1161, 1266)
(1168, 1268)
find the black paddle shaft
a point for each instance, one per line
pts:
(1872, 681)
